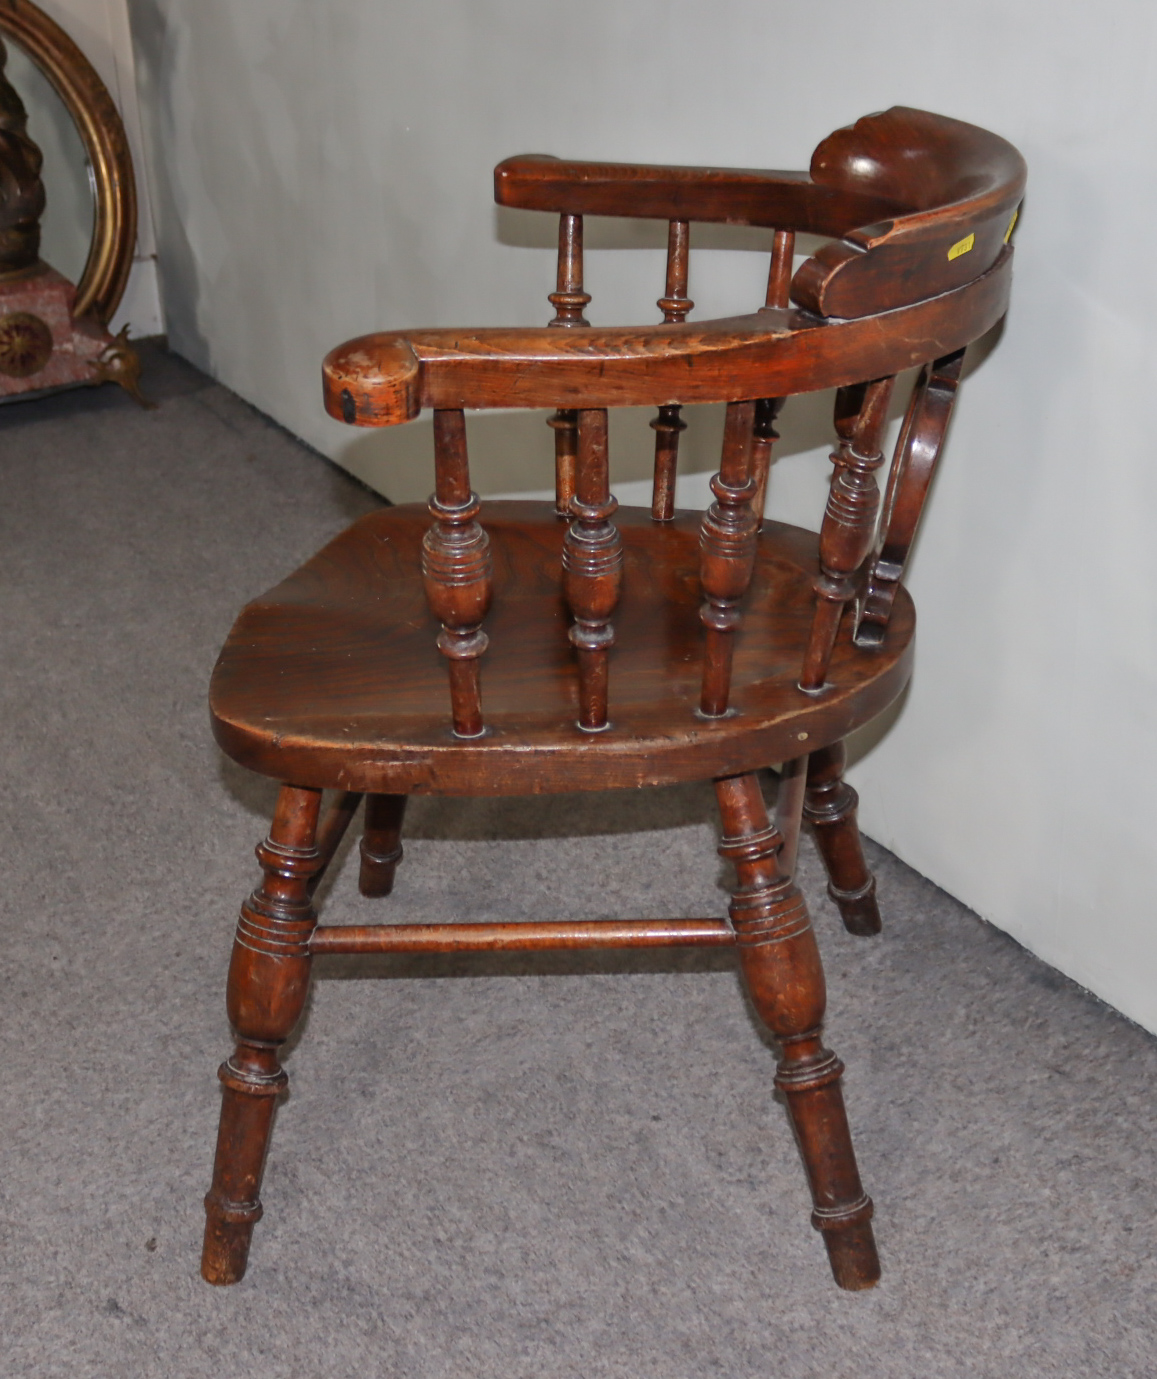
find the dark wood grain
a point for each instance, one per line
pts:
(727, 542)
(268, 983)
(592, 570)
(457, 571)
(386, 378)
(381, 845)
(624, 647)
(913, 468)
(830, 807)
(848, 525)
(675, 306)
(785, 980)
(335, 672)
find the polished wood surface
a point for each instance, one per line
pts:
(522, 936)
(335, 677)
(389, 377)
(505, 648)
(913, 468)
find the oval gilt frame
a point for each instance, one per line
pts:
(87, 100)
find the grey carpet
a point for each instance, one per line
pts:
(490, 1168)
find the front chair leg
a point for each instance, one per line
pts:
(381, 847)
(781, 966)
(830, 807)
(268, 983)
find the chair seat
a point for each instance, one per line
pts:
(333, 678)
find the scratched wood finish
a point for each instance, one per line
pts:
(389, 377)
(334, 676)
(648, 649)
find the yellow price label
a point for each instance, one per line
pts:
(1011, 224)
(962, 246)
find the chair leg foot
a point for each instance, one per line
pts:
(232, 1205)
(785, 979)
(830, 807)
(381, 847)
(268, 983)
(852, 1255)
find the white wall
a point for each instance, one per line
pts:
(324, 169)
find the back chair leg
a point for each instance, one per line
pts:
(381, 843)
(268, 984)
(830, 808)
(781, 966)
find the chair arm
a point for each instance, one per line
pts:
(735, 196)
(383, 379)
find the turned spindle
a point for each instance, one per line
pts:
(568, 301)
(674, 304)
(268, 984)
(768, 408)
(763, 437)
(849, 520)
(381, 845)
(592, 565)
(727, 541)
(456, 569)
(779, 274)
(784, 977)
(913, 468)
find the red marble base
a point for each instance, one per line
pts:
(41, 345)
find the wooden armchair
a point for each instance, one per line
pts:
(415, 658)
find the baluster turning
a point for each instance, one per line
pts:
(849, 521)
(456, 568)
(727, 542)
(592, 564)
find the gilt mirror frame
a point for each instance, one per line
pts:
(87, 100)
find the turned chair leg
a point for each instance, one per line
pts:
(268, 983)
(381, 846)
(830, 807)
(781, 966)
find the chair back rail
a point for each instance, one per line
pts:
(918, 204)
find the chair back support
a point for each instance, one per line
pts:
(920, 209)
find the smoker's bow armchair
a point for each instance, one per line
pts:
(410, 657)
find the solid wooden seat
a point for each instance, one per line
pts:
(528, 648)
(335, 673)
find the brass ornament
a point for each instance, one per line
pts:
(25, 344)
(98, 122)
